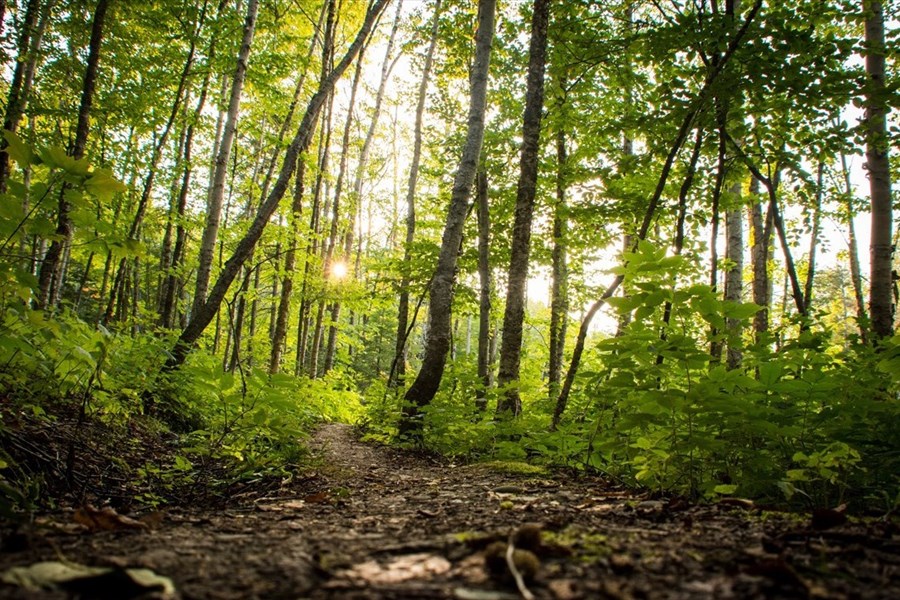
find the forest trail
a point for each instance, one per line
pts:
(372, 522)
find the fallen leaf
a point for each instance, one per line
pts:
(564, 589)
(89, 582)
(318, 498)
(105, 519)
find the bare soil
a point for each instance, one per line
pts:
(376, 523)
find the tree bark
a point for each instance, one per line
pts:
(399, 371)
(814, 235)
(559, 289)
(862, 318)
(437, 342)
(514, 315)
(484, 278)
(50, 267)
(217, 193)
(20, 87)
(881, 279)
(245, 246)
(759, 258)
(287, 283)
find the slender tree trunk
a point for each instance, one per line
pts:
(20, 87)
(287, 284)
(881, 278)
(334, 309)
(403, 305)
(51, 268)
(814, 235)
(862, 319)
(680, 221)
(514, 315)
(559, 289)
(759, 258)
(437, 343)
(147, 190)
(484, 278)
(245, 246)
(734, 276)
(217, 193)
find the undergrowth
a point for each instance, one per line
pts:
(86, 415)
(808, 419)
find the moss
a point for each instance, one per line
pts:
(585, 545)
(510, 467)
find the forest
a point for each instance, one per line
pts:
(645, 239)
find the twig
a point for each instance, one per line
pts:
(511, 563)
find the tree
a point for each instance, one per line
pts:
(217, 188)
(881, 309)
(399, 369)
(514, 315)
(50, 281)
(300, 143)
(437, 341)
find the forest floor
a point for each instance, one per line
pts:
(375, 523)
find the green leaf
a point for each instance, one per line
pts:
(725, 490)
(18, 150)
(104, 185)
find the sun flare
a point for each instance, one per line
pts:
(339, 270)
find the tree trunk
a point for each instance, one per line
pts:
(28, 43)
(358, 184)
(245, 246)
(399, 370)
(217, 192)
(759, 258)
(734, 276)
(287, 284)
(559, 289)
(484, 278)
(814, 235)
(437, 342)
(862, 319)
(51, 266)
(334, 310)
(514, 315)
(881, 308)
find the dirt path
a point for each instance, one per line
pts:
(375, 523)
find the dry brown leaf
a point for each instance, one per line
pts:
(105, 519)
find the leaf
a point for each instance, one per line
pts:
(18, 150)
(105, 519)
(90, 582)
(725, 489)
(104, 185)
(56, 156)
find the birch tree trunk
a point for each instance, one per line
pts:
(217, 193)
(437, 341)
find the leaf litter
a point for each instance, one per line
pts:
(376, 523)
